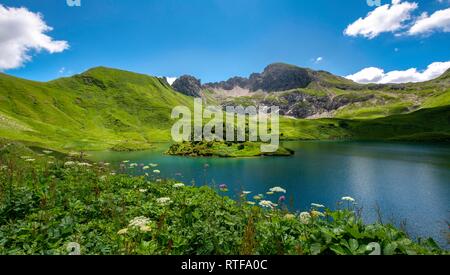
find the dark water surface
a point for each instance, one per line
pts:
(409, 182)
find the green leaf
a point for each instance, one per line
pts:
(316, 248)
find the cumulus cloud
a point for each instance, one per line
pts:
(379, 76)
(318, 59)
(386, 18)
(438, 21)
(22, 31)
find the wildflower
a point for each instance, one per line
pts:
(142, 190)
(47, 152)
(267, 204)
(84, 164)
(178, 185)
(349, 199)
(251, 203)
(316, 214)
(223, 187)
(164, 201)
(30, 160)
(305, 217)
(140, 222)
(281, 199)
(246, 192)
(153, 165)
(25, 157)
(316, 205)
(106, 164)
(289, 216)
(257, 197)
(103, 178)
(146, 174)
(122, 231)
(146, 167)
(159, 180)
(50, 162)
(3, 167)
(133, 165)
(125, 161)
(113, 174)
(145, 228)
(270, 193)
(156, 171)
(277, 190)
(69, 163)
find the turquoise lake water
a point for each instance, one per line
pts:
(409, 182)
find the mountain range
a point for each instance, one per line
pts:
(106, 108)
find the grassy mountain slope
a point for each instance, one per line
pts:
(99, 109)
(112, 109)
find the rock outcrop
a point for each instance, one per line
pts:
(188, 85)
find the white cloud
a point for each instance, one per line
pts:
(440, 20)
(386, 18)
(318, 59)
(377, 75)
(171, 80)
(22, 31)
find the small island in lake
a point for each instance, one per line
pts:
(224, 149)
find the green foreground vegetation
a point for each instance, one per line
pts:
(56, 204)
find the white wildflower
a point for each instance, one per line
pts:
(47, 152)
(146, 167)
(178, 185)
(277, 190)
(350, 199)
(156, 171)
(267, 204)
(164, 201)
(142, 190)
(305, 217)
(84, 164)
(316, 205)
(315, 214)
(30, 160)
(153, 165)
(69, 163)
(139, 221)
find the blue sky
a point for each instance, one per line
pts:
(216, 39)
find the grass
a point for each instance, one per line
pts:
(99, 109)
(53, 204)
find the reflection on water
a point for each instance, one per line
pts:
(409, 182)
